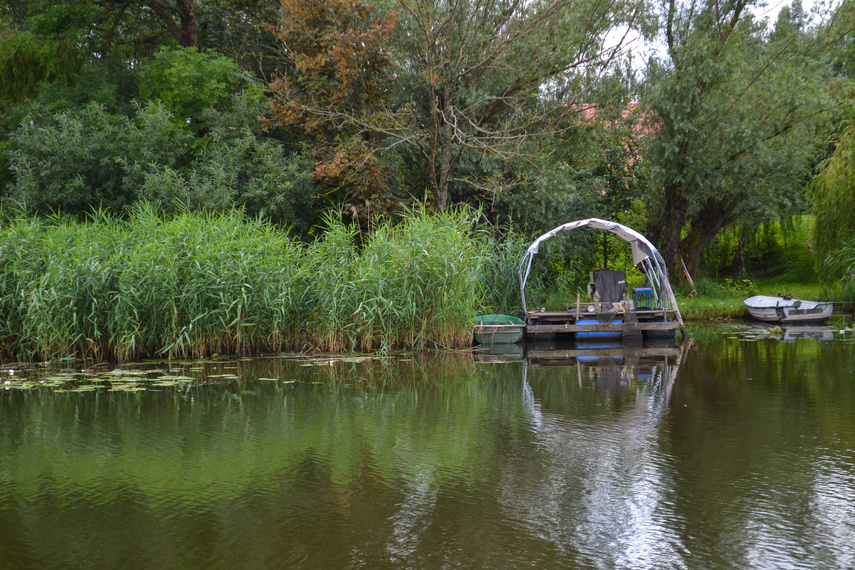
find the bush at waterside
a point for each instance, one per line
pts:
(196, 284)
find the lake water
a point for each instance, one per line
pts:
(734, 452)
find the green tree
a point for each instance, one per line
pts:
(81, 159)
(739, 116)
(833, 192)
(443, 85)
(191, 83)
(833, 189)
(239, 29)
(42, 42)
(240, 169)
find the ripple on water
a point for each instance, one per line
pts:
(472, 468)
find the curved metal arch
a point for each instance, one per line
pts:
(643, 252)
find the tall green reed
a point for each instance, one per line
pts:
(196, 284)
(203, 283)
(413, 285)
(500, 279)
(23, 264)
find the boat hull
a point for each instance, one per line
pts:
(788, 311)
(498, 329)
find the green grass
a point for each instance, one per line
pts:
(722, 299)
(198, 284)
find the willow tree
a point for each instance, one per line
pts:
(833, 189)
(42, 42)
(834, 197)
(739, 115)
(438, 81)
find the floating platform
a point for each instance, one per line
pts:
(651, 311)
(583, 324)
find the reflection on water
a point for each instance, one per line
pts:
(732, 452)
(603, 480)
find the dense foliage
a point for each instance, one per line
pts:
(351, 111)
(741, 117)
(371, 106)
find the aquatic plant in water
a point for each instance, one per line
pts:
(198, 283)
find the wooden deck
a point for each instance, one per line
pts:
(567, 322)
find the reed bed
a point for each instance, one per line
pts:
(196, 284)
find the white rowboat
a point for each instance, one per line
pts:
(788, 311)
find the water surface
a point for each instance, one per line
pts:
(734, 452)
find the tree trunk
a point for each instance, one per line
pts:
(185, 32)
(670, 228)
(738, 266)
(705, 227)
(444, 166)
(188, 23)
(440, 153)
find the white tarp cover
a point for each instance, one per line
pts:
(642, 251)
(641, 247)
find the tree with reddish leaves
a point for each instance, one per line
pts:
(340, 76)
(468, 82)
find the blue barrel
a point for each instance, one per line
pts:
(599, 334)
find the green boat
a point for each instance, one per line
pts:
(498, 329)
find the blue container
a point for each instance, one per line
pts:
(598, 334)
(643, 297)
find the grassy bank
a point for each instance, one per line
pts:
(198, 284)
(779, 259)
(722, 299)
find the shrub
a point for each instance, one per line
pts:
(75, 161)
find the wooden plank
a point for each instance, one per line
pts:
(609, 327)
(654, 313)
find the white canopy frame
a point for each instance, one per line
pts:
(643, 252)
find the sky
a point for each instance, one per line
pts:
(643, 49)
